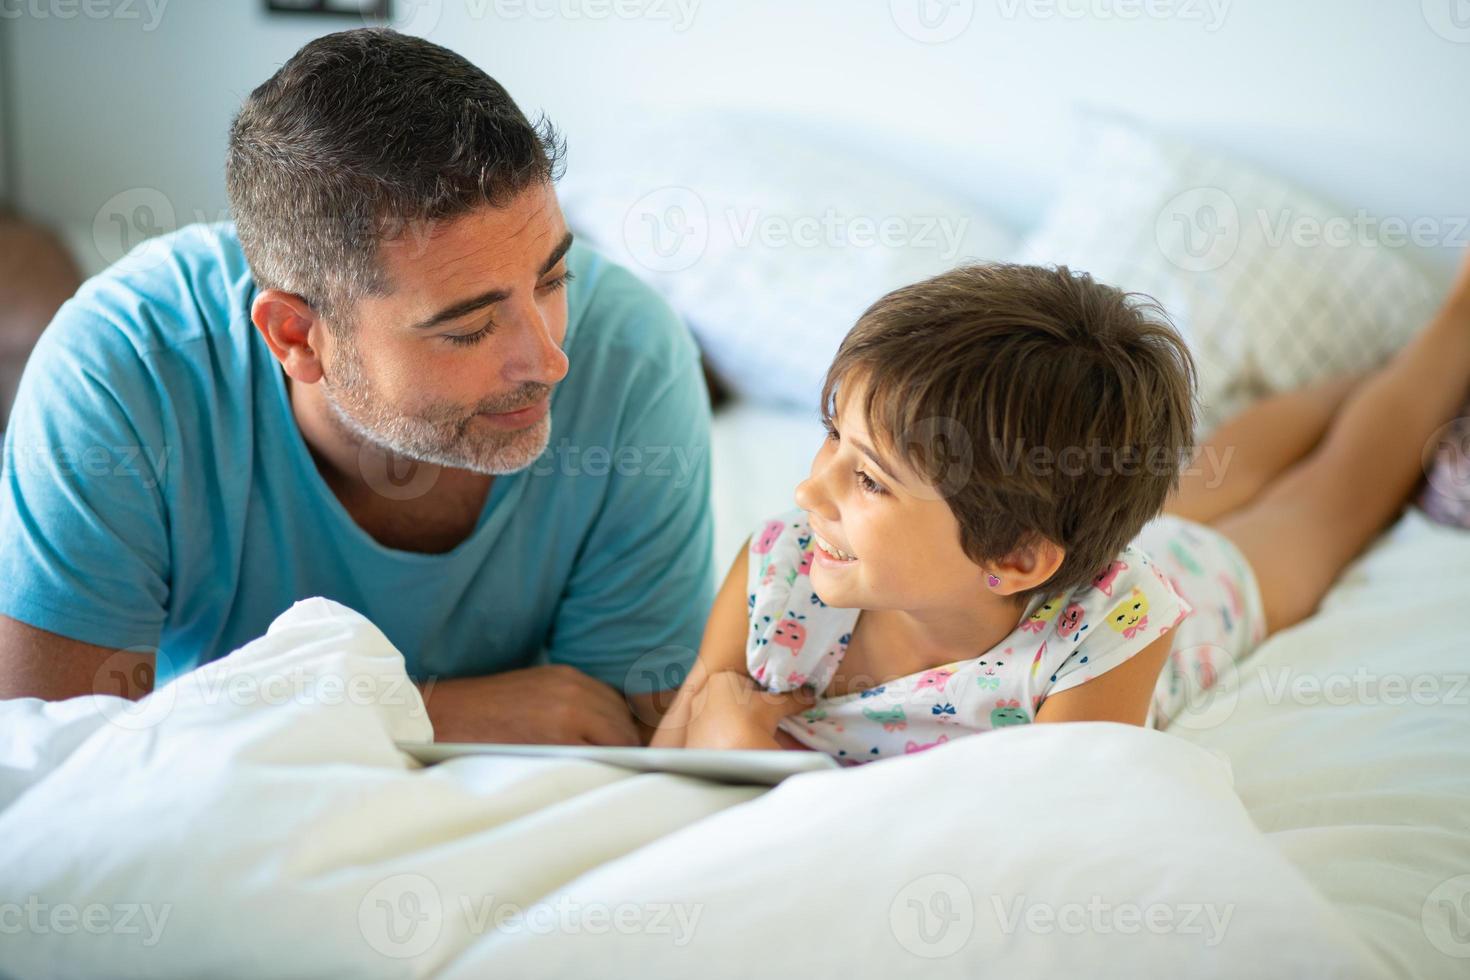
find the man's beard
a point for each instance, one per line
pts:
(443, 433)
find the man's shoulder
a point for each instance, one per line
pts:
(613, 312)
(167, 292)
(146, 336)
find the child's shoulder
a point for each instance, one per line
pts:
(782, 533)
(786, 614)
(1127, 605)
(780, 556)
(1118, 598)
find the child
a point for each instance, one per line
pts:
(997, 530)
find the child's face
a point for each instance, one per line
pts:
(898, 539)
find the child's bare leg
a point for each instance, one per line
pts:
(1250, 449)
(1305, 527)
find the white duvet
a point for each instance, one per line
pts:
(255, 819)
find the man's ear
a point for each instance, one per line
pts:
(1028, 566)
(292, 330)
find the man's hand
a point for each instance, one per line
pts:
(731, 712)
(554, 704)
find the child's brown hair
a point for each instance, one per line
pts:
(1037, 401)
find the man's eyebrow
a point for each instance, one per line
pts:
(556, 254)
(490, 298)
(863, 448)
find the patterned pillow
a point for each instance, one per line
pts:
(768, 241)
(1272, 288)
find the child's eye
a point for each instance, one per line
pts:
(868, 484)
(831, 429)
(467, 339)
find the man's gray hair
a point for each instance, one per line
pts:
(364, 137)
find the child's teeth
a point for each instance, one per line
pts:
(827, 547)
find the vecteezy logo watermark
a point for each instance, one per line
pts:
(1445, 917)
(1209, 13)
(943, 234)
(403, 915)
(395, 477)
(1362, 229)
(667, 230)
(1450, 19)
(670, 229)
(932, 21)
(1098, 459)
(565, 916)
(417, 17)
(677, 13)
(1099, 917)
(129, 224)
(35, 917)
(568, 459)
(933, 916)
(1364, 686)
(1203, 687)
(145, 464)
(133, 670)
(1447, 460)
(663, 669)
(1199, 230)
(125, 675)
(149, 11)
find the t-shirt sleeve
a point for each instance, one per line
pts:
(84, 547)
(1129, 606)
(795, 640)
(777, 555)
(635, 608)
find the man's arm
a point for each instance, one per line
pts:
(722, 649)
(38, 664)
(649, 709)
(635, 606)
(555, 705)
(84, 550)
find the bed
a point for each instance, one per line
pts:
(255, 818)
(1310, 818)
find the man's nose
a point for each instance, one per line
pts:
(538, 356)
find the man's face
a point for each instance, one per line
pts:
(456, 364)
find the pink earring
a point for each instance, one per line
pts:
(993, 581)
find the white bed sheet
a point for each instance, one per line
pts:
(254, 819)
(271, 835)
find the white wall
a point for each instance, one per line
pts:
(6, 68)
(1363, 100)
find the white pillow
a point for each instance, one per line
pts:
(1272, 288)
(769, 242)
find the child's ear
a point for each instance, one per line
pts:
(1028, 566)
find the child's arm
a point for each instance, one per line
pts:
(732, 712)
(1121, 694)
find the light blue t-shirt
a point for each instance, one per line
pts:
(157, 491)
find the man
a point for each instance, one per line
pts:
(354, 395)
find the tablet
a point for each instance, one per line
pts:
(759, 767)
